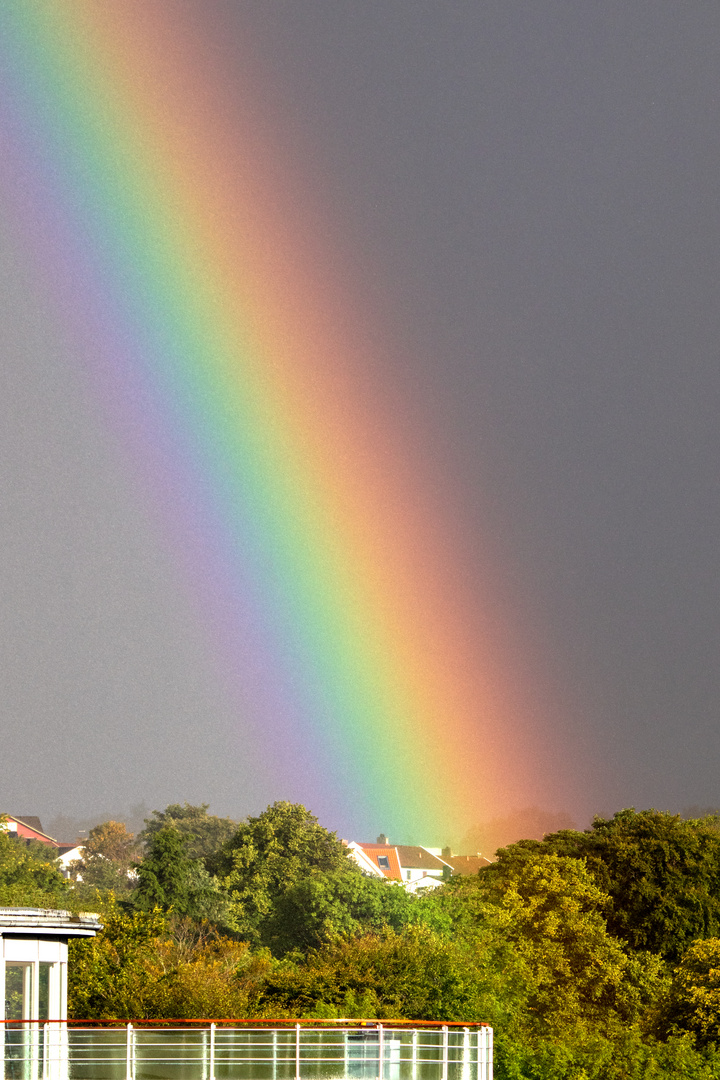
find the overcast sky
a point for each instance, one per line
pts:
(530, 195)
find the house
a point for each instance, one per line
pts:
(30, 828)
(26, 828)
(368, 864)
(67, 854)
(421, 868)
(415, 867)
(464, 865)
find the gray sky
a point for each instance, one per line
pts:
(530, 194)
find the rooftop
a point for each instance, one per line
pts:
(42, 922)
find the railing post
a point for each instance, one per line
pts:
(274, 1046)
(381, 1050)
(297, 1052)
(490, 1052)
(445, 1052)
(211, 1063)
(129, 1053)
(46, 1051)
(466, 1054)
(414, 1053)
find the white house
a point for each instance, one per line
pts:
(416, 868)
(67, 855)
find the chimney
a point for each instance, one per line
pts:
(447, 853)
(382, 839)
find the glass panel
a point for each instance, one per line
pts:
(44, 993)
(19, 1039)
(17, 987)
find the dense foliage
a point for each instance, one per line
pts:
(27, 877)
(662, 875)
(204, 832)
(107, 858)
(595, 955)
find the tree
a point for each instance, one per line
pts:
(580, 973)
(107, 978)
(138, 967)
(270, 854)
(321, 906)
(693, 1003)
(575, 976)
(112, 841)
(108, 857)
(29, 876)
(169, 880)
(661, 873)
(415, 975)
(205, 832)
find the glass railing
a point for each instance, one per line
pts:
(223, 1051)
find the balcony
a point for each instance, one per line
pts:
(249, 1051)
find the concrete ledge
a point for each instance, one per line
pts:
(36, 922)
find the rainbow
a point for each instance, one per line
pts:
(202, 302)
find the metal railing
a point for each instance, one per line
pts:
(228, 1051)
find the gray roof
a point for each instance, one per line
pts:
(37, 922)
(31, 821)
(413, 857)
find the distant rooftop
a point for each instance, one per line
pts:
(31, 821)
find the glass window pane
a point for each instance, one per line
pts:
(17, 986)
(44, 993)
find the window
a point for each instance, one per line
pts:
(18, 983)
(44, 992)
(383, 862)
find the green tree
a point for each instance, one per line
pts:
(29, 876)
(268, 856)
(107, 975)
(662, 875)
(322, 905)
(663, 878)
(693, 1003)
(169, 880)
(580, 975)
(205, 832)
(416, 974)
(145, 965)
(107, 859)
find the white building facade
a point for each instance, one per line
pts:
(33, 985)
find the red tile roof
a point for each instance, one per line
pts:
(374, 852)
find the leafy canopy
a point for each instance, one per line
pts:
(205, 832)
(170, 880)
(268, 856)
(693, 1003)
(29, 876)
(382, 975)
(107, 858)
(661, 874)
(322, 905)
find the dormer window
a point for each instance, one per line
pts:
(383, 862)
